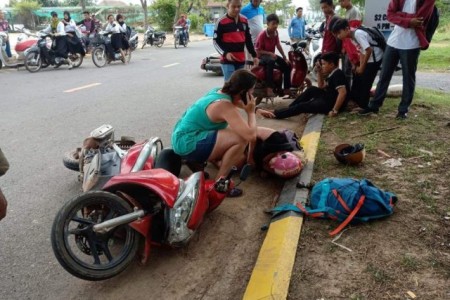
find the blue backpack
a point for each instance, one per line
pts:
(348, 201)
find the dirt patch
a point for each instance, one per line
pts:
(407, 252)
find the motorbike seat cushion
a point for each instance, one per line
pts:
(169, 161)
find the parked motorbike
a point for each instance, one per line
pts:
(154, 38)
(179, 38)
(299, 71)
(133, 39)
(96, 235)
(42, 56)
(313, 51)
(100, 55)
(24, 42)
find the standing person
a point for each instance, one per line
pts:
(351, 58)
(329, 41)
(404, 43)
(57, 28)
(296, 28)
(254, 13)
(370, 61)
(265, 46)
(4, 26)
(213, 129)
(231, 36)
(4, 166)
(188, 27)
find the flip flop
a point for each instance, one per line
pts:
(234, 192)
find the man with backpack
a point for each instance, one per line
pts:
(404, 44)
(370, 59)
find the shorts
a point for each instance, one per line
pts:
(203, 148)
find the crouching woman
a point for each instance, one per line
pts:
(212, 129)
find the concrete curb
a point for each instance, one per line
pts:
(273, 269)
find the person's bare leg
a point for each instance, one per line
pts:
(229, 150)
(124, 60)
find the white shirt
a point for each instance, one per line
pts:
(364, 40)
(59, 29)
(116, 28)
(405, 38)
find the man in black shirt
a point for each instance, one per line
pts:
(329, 98)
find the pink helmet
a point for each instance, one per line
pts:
(284, 164)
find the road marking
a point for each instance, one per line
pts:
(171, 65)
(82, 87)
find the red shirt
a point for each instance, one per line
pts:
(329, 41)
(266, 42)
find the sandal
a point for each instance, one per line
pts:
(234, 192)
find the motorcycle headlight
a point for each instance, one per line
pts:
(181, 212)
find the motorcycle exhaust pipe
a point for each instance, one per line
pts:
(106, 226)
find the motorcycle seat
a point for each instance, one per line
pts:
(168, 160)
(302, 44)
(260, 73)
(160, 33)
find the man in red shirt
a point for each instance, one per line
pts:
(329, 41)
(231, 37)
(265, 46)
(183, 23)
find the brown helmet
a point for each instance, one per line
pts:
(350, 154)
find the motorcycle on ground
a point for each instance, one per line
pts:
(41, 55)
(299, 70)
(100, 54)
(97, 234)
(154, 38)
(24, 42)
(179, 38)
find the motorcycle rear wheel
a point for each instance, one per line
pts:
(33, 62)
(76, 59)
(84, 253)
(99, 57)
(161, 43)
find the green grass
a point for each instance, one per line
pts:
(432, 97)
(437, 57)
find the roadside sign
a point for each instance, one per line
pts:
(376, 15)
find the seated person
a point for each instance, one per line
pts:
(116, 37)
(370, 61)
(56, 28)
(74, 44)
(183, 23)
(212, 129)
(329, 98)
(265, 48)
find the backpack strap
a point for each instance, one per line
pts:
(341, 201)
(350, 217)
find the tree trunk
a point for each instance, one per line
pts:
(144, 8)
(177, 13)
(83, 5)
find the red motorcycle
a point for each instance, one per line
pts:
(299, 70)
(97, 234)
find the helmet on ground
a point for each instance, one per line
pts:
(350, 154)
(284, 164)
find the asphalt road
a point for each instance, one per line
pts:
(42, 115)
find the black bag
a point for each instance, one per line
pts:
(432, 24)
(376, 35)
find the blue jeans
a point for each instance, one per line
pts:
(8, 49)
(408, 60)
(228, 69)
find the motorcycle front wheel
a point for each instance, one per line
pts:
(99, 57)
(33, 62)
(176, 42)
(160, 43)
(87, 254)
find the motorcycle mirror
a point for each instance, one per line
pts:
(245, 172)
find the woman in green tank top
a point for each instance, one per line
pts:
(212, 129)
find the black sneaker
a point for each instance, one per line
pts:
(368, 111)
(401, 116)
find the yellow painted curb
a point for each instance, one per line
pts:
(271, 275)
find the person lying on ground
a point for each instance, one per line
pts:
(330, 97)
(370, 61)
(265, 46)
(213, 130)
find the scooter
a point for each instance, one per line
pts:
(179, 37)
(299, 70)
(313, 51)
(154, 38)
(100, 54)
(96, 235)
(22, 48)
